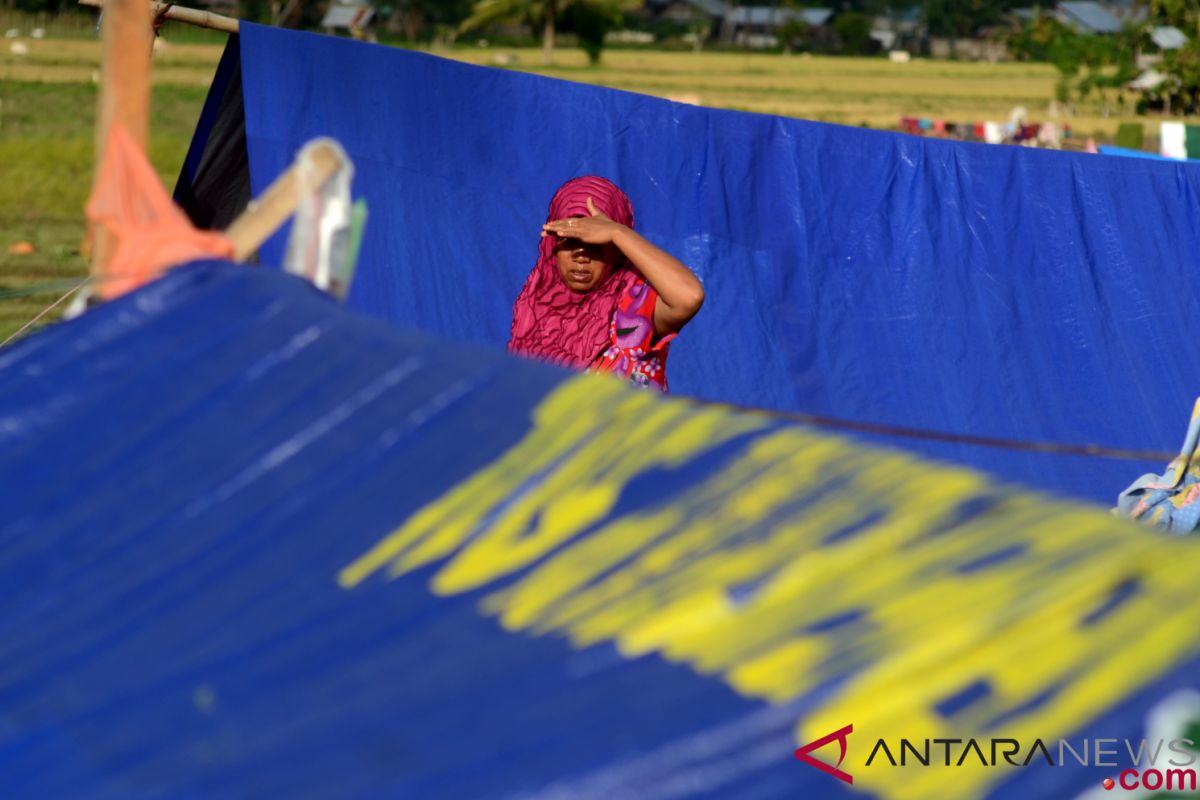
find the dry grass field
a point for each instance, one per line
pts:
(48, 94)
(852, 91)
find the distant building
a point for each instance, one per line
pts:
(902, 29)
(1168, 38)
(1128, 12)
(1087, 17)
(1150, 53)
(760, 26)
(352, 17)
(688, 12)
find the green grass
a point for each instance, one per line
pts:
(47, 116)
(46, 153)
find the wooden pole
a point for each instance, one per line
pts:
(548, 33)
(277, 203)
(192, 16)
(124, 95)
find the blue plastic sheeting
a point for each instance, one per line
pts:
(957, 287)
(253, 545)
(1113, 150)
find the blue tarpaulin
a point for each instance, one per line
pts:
(956, 287)
(1113, 150)
(255, 545)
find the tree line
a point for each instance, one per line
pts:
(1104, 65)
(1087, 64)
(422, 17)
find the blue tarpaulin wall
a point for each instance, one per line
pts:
(255, 545)
(963, 288)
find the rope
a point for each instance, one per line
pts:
(53, 286)
(46, 311)
(39, 288)
(1053, 448)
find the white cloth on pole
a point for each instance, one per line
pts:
(1173, 140)
(319, 245)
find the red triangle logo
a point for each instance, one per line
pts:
(839, 736)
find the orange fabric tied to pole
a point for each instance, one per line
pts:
(151, 232)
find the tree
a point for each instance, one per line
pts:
(416, 18)
(1086, 63)
(792, 31)
(597, 18)
(955, 19)
(590, 22)
(1180, 92)
(1182, 14)
(854, 29)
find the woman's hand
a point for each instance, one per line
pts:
(680, 293)
(596, 229)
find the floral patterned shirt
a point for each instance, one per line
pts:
(634, 352)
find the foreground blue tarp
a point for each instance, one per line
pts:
(254, 545)
(963, 288)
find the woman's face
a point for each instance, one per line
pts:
(583, 267)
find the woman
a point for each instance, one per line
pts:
(601, 297)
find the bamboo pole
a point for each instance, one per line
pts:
(124, 95)
(280, 200)
(192, 16)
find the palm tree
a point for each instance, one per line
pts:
(486, 12)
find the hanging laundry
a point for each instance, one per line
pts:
(1192, 140)
(1170, 501)
(149, 231)
(1173, 140)
(1048, 136)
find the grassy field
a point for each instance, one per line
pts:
(48, 95)
(852, 91)
(47, 114)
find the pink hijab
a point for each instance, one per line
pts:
(550, 321)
